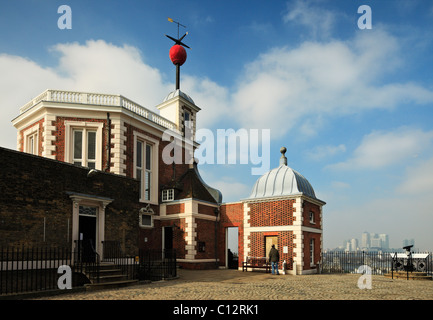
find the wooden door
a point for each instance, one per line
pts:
(269, 241)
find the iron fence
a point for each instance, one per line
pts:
(379, 262)
(33, 269)
(36, 268)
(157, 265)
(113, 252)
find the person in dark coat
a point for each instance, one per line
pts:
(274, 257)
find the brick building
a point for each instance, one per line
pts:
(133, 172)
(46, 202)
(283, 210)
(110, 133)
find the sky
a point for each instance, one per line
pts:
(352, 105)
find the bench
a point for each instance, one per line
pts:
(257, 263)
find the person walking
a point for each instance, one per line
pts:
(274, 258)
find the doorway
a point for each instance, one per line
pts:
(168, 239)
(232, 252)
(269, 241)
(87, 233)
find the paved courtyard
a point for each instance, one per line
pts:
(238, 285)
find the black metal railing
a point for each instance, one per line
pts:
(33, 269)
(112, 252)
(86, 261)
(379, 262)
(157, 265)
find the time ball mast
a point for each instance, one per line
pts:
(177, 52)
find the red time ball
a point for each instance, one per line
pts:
(177, 54)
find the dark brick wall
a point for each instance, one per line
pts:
(34, 188)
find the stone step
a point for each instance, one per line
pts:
(110, 285)
(105, 272)
(110, 276)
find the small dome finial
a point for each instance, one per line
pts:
(283, 159)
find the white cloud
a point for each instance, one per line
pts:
(286, 87)
(318, 20)
(418, 179)
(231, 186)
(21, 81)
(381, 149)
(231, 190)
(210, 97)
(322, 152)
(98, 66)
(340, 185)
(103, 67)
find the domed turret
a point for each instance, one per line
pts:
(282, 181)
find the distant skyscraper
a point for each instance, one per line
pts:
(346, 245)
(365, 240)
(376, 242)
(408, 242)
(354, 244)
(384, 240)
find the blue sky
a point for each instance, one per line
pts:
(353, 107)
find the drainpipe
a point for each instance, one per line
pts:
(107, 167)
(216, 211)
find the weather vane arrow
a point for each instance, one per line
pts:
(178, 40)
(177, 52)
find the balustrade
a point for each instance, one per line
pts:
(98, 99)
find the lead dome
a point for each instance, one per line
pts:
(176, 93)
(282, 181)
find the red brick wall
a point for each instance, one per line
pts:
(59, 133)
(310, 207)
(206, 233)
(154, 236)
(203, 209)
(165, 174)
(175, 208)
(40, 134)
(285, 238)
(272, 213)
(307, 237)
(231, 215)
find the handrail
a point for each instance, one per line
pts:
(112, 252)
(85, 261)
(115, 100)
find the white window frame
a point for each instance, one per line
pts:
(84, 160)
(167, 195)
(31, 134)
(153, 199)
(70, 127)
(312, 251)
(312, 220)
(187, 122)
(146, 225)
